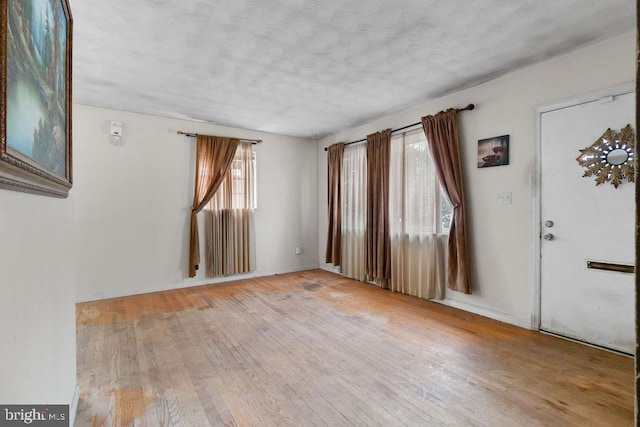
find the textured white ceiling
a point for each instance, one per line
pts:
(313, 67)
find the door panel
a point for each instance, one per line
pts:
(589, 224)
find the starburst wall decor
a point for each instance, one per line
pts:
(610, 158)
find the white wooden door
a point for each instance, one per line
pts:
(589, 224)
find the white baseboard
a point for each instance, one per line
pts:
(482, 311)
(487, 312)
(188, 284)
(330, 268)
(73, 407)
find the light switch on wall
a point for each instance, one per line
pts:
(505, 198)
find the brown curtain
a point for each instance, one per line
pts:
(441, 131)
(213, 158)
(334, 171)
(377, 239)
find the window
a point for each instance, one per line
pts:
(354, 182)
(446, 213)
(238, 190)
(417, 204)
(230, 232)
(243, 180)
(419, 215)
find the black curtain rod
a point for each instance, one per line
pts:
(193, 135)
(467, 108)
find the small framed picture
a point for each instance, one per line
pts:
(493, 151)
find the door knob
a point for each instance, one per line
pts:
(548, 236)
(548, 223)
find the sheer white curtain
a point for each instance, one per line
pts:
(230, 236)
(418, 246)
(354, 178)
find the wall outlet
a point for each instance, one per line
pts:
(298, 250)
(505, 198)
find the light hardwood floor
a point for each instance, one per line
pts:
(315, 349)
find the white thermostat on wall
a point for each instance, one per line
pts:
(116, 128)
(116, 132)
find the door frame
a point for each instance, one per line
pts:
(537, 182)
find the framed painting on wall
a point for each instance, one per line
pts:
(493, 151)
(35, 89)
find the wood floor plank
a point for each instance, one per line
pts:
(315, 349)
(261, 354)
(304, 373)
(352, 372)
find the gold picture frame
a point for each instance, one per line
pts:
(35, 89)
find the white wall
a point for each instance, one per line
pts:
(133, 202)
(37, 300)
(501, 236)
